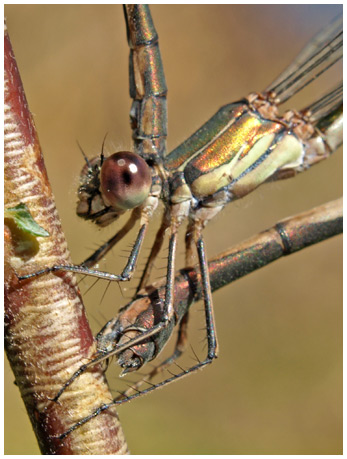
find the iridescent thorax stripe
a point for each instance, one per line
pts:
(236, 148)
(211, 130)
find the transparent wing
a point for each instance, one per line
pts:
(323, 51)
(327, 104)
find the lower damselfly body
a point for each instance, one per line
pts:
(231, 225)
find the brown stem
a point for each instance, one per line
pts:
(47, 334)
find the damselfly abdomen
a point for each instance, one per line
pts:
(210, 100)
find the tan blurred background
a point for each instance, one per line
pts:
(277, 385)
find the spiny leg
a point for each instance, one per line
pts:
(159, 239)
(211, 341)
(81, 269)
(170, 278)
(206, 288)
(190, 244)
(178, 214)
(105, 248)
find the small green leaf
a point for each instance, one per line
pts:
(23, 219)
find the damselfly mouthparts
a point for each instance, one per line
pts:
(215, 104)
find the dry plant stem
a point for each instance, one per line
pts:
(47, 334)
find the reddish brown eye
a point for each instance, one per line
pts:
(125, 180)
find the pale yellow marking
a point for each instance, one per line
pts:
(208, 184)
(258, 149)
(288, 151)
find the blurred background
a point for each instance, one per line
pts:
(277, 386)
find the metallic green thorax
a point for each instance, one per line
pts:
(236, 151)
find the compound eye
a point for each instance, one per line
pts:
(125, 180)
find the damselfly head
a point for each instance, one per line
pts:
(111, 186)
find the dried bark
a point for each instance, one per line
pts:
(47, 334)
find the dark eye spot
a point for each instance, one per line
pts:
(126, 178)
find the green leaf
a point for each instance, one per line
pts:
(24, 220)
